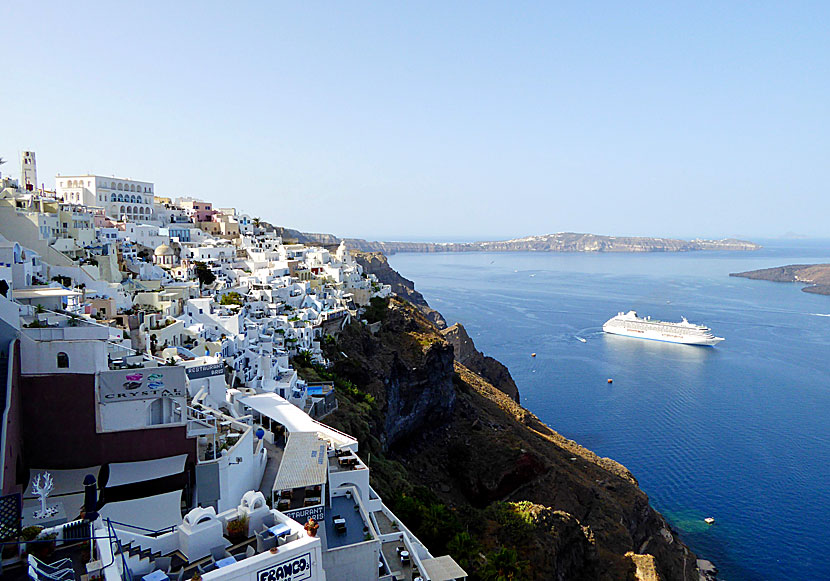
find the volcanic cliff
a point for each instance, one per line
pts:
(475, 474)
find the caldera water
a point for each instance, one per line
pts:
(739, 432)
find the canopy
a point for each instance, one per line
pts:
(304, 462)
(293, 418)
(129, 472)
(153, 512)
(442, 569)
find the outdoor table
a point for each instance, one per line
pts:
(226, 561)
(157, 575)
(280, 530)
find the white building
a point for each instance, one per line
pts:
(118, 196)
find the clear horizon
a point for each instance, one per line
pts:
(402, 122)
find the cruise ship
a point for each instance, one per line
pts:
(630, 325)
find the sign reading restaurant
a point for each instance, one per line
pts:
(296, 569)
(200, 371)
(301, 515)
(143, 383)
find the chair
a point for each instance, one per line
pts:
(177, 576)
(218, 553)
(269, 520)
(210, 565)
(58, 571)
(250, 551)
(264, 543)
(163, 564)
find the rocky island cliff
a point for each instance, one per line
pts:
(816, 277)
(560, 242)
(475, 474)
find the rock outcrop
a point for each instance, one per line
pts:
(490, 369)
(816, 277)
(377, 264)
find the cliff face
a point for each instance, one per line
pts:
(815, 276)
(512, 482)
(560, 242)
(473, 359)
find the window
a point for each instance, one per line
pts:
(63, 360)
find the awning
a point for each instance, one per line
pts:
(153, 512)
(129, 472)
(304, 462)
(442, 569)
(293, 418)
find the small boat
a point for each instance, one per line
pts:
(610, 380)
(709, 520)
(581, 340)
(533, 354)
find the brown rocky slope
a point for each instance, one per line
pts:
(815, 276)
(475, 474)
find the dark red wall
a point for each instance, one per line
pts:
(14, 437)
(58, 420)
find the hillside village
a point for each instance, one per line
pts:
(148, 345)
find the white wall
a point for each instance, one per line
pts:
(40, 357)
(359, 561)
(237, 479)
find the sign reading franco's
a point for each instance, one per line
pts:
(296, 569)
(143, 383)
(200, 371)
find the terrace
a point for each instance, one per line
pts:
(234, 543)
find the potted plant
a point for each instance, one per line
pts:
(45, 546)
(27, 534)
(238, 528)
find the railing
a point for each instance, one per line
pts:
(152, 533)
(127, 573)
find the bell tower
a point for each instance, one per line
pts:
(28, 171)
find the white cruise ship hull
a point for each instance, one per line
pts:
(666, 336)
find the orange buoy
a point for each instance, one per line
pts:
(533, 354)
(610, 380)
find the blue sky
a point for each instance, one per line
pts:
(459, 120)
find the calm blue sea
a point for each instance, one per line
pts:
(739, 432)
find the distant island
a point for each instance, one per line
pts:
(815, 276)
(560, 242)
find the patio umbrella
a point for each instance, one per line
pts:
(90, 498)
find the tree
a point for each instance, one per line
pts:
(504, 565)
(231, 298)
(464, 548)
(204, 274)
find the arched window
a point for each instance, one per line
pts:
(63, 360)
(112, 185)
(122, 211)
(132, 187)
(135, 210)
(113, 198)
(120, 187)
